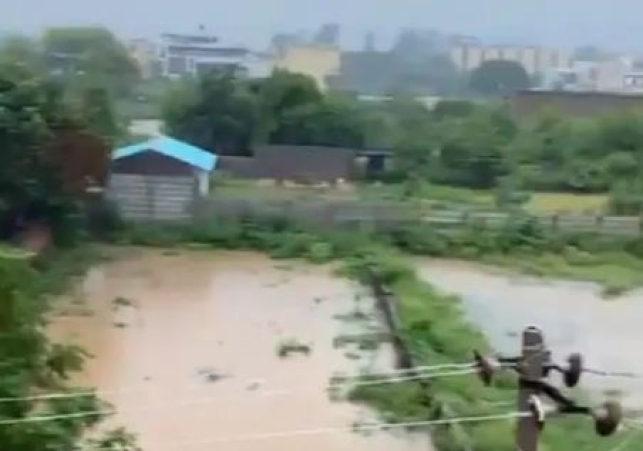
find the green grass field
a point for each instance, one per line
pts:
(432, 195)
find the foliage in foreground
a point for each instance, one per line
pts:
(32, 364)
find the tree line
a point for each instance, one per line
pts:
(459, 143)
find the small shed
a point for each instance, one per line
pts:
(159, 179)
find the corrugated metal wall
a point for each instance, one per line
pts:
(296, 163)
(152, 197)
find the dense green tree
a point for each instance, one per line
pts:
(498, 77)
(279, 94)
(38, 159)
(453, 108)
(331, 122)
(216, 112)
(90, 56)
(476, 158)
(98, 112)
(21, 51)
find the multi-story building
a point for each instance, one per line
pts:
(535, 60)
(619, 75)
(318, 62)
(192, 54)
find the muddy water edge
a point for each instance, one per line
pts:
(573, 316)
(186, 345)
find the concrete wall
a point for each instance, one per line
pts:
(295, 163)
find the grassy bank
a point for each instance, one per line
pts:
(525, 247)
(435, 329)
(433, 323)
(521, 246)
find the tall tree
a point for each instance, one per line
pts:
(331, 122)
(98, 112)
(90, 56)
(23, 51)
(280, 93)
(216, 112)
(498, 77)
(33, 162)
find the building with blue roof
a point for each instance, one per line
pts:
(159, 178)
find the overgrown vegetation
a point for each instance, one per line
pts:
(436, 331)
(522, 245)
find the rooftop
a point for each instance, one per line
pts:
(173, 148)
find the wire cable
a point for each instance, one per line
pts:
(335, 430)
(111, 411)
(626, 375)
(107, 393)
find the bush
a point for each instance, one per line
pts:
(625, 200)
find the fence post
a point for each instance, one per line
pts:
(599, 223)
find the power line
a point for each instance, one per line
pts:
(53, 417)
(334, 430)
(427, 370)
(626, 375)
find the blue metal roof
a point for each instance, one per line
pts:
(173, 148)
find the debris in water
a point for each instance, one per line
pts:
(292, 346)
(211, 375)
(254, 385)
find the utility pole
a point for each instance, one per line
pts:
(534, 366)
(534, 357)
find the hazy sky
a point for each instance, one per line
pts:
(617, 24)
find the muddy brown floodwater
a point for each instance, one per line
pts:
(185, 347)
(573, 316)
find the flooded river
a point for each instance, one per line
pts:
(573, 316)
(186, 348)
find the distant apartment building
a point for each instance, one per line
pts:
(318, 62)
(619, 75)
(193, 54)
(535, 60)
